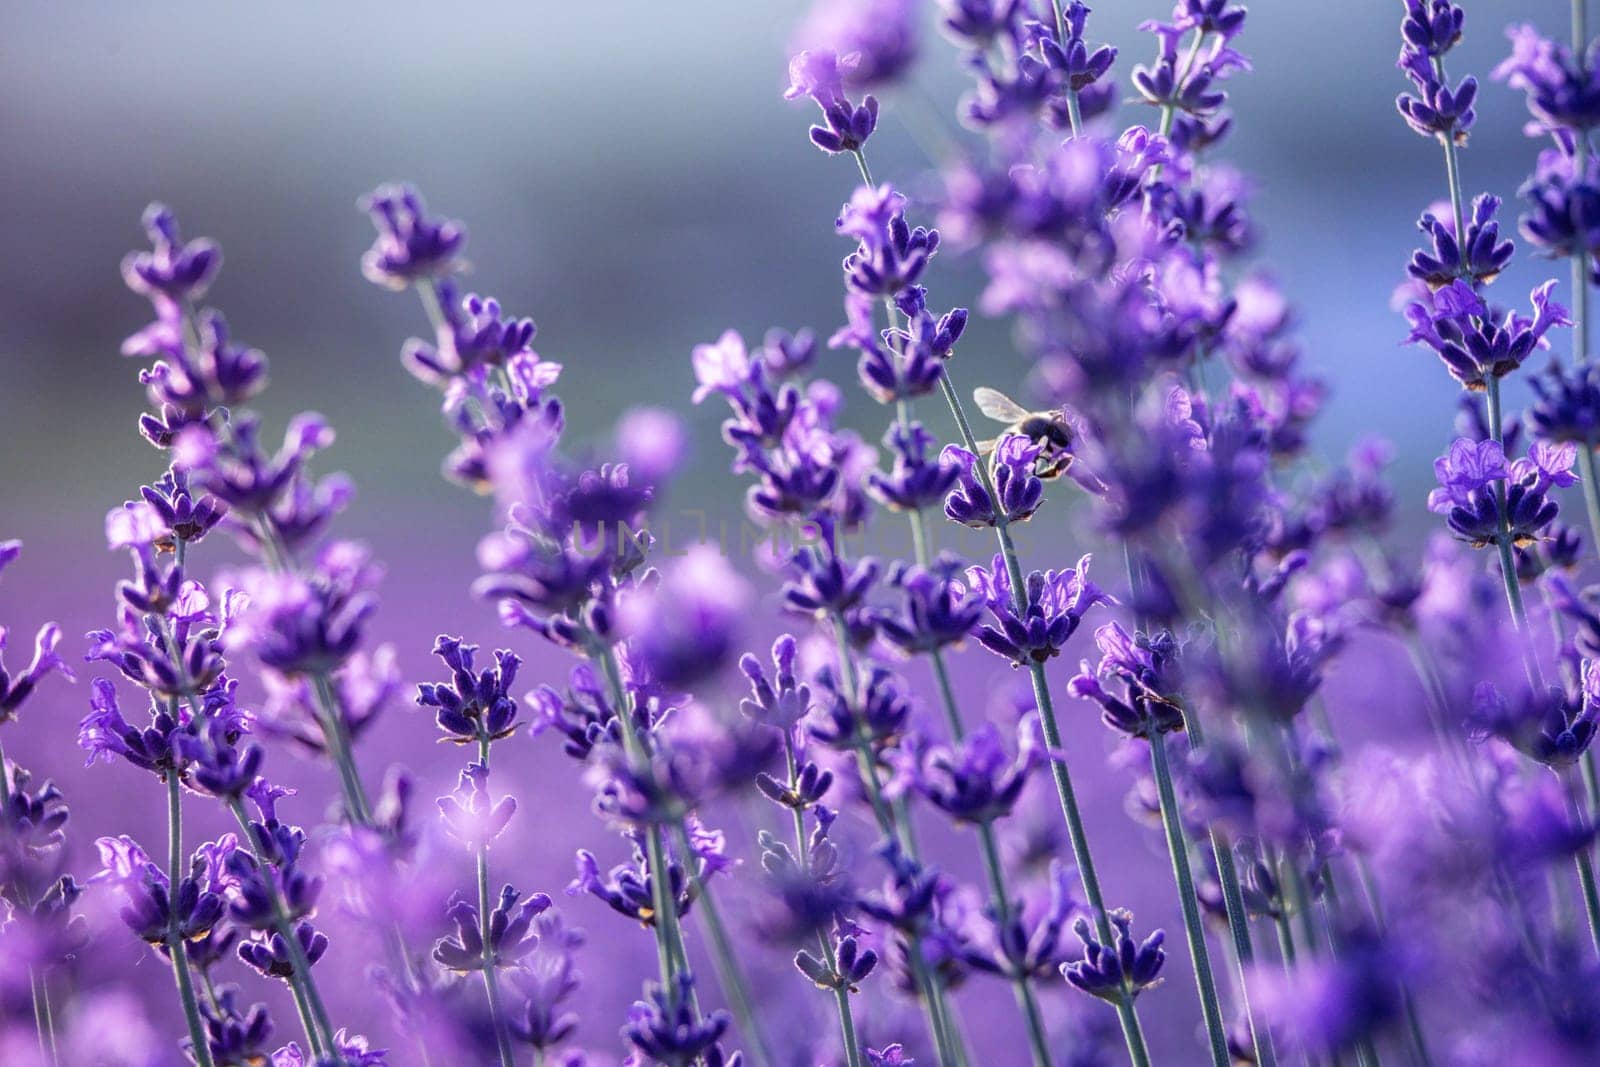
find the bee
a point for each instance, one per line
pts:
(1049, 429)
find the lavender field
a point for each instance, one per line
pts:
(866, 533)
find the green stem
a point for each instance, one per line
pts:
(867, 765)
(281, 923)
(1587, 468)
(1280, 921)
(726, 960)
(1580, 31)
(1369, 890)
(933, 997)
(1244, 953)
(302, 1007)
(1210, 1003)
(669, 937)
(841, 997)
(1366, 1051)
(1408, 1002)
(947, 695)
(922, 552)
(208, 987)
(1300, 905)
(1168, 111)
(176, 947)
(841, 991)
(861, 165)
(1585, 864)
(1132, 1033)
(325, 703)
(337, 741)
(1037, 1040)
(428, 292)
(1590, 479)
(1452, 170)
(1508, 564)
(43, 1018)
(952, 713)
(491, 980)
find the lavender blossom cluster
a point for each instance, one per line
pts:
(843, 810)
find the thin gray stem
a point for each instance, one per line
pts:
(301, 978)
(841, 991)
(1038, 1041)
(491, 980)
(1200, 956)
(867, 764)
(176, 947)
(669, 937)
(726, 960)
(43, 1018)
(1508, 564)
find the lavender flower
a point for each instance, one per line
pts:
(175, 270)
(547, 979)
(1480, 259)
(665, 1028)
(14, 689)
(892, 254)
(820, 75)
(1018, 491)
(1561, 88)
(682, 630)
(1164, 376)
(1053, 603)
(411, 245)
(1106, 971)
(1145, 669)
(473, 704)
(509, 926)
(784, 700)
(938, 610)
(1436, 110)
(1475, 347)
(977, 782)
(1480, 496)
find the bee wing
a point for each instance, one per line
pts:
(998, 406)
(987, 446)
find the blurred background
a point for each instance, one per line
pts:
(633, 180)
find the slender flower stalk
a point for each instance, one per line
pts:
(1042, 697)
(994, 870)
(841, 989)
(898, 830)
(1589, 472)
(176, 946)
(1238, 918)
(1066, 794)
(669, 934)
(725, 957)
(497, 402)
(1189, 899)
(302, 984)
(491, 981)
(32, 876)
(1504, 536)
